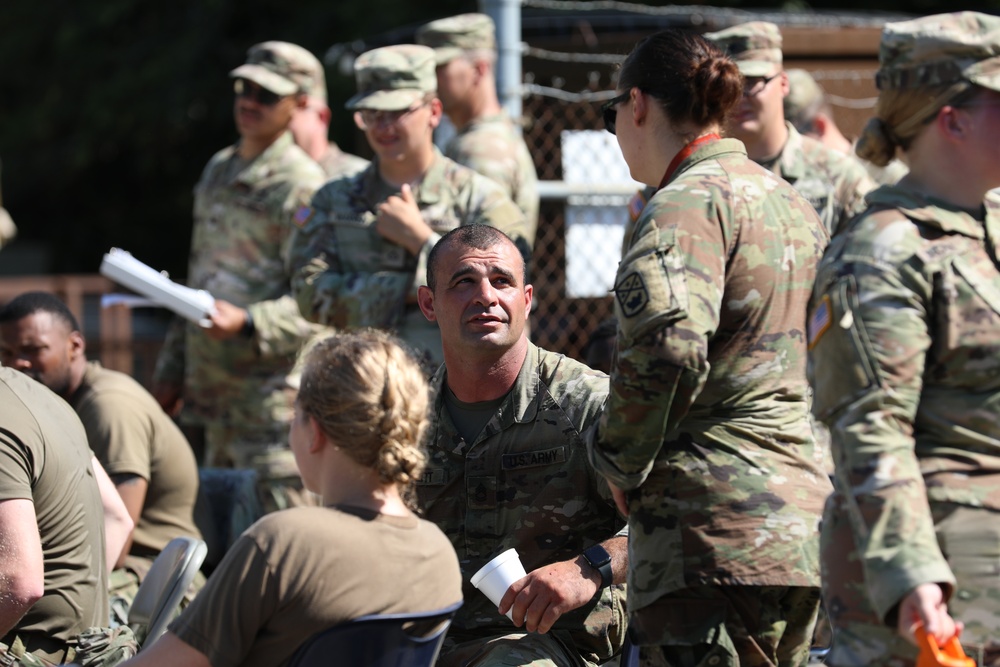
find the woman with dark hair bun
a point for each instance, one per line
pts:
(706, 435)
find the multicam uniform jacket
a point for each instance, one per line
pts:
(525, 483)
(835, 184)
(242, 226)
(493, 146)
(347, 275)
(905, 364)
(707, 422)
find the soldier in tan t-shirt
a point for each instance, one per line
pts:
(52, 564)
(360, 416)
(142, 450)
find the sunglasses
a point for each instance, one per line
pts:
(252, 91)
(755, 86)
(369, 118)
(610, 113)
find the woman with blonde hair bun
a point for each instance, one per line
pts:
(904, 338)
(360, 418)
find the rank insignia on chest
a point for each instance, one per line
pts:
(819, 320)
(302, 215)
(632, 294)
(393, 257)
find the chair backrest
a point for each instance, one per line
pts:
(630, 653)
(389, 640)
(160, 593)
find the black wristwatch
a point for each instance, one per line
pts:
(600, 560)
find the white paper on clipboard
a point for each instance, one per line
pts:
(192, 304)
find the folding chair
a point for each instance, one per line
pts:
(388, 640)
(161, 592)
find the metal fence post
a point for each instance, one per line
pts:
(507, 16)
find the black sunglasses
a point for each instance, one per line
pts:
(610, 113)
(253, 91)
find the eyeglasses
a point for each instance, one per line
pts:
(610, 113)
(252, 91)
(752, 87)
(367, 119)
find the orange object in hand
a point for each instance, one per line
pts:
(932, 655)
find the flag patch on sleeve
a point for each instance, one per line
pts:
(819, 320)
(302, 215)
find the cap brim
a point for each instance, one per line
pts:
(985, 73)
(385, 100)
(445, 54)
(265, 78)
(756, 67)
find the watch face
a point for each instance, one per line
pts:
(597, 555)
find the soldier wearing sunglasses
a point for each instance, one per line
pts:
(362, 248)
(834, 183)
(232, 377)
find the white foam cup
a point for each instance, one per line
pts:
(494, 578)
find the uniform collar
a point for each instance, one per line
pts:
(937, 214)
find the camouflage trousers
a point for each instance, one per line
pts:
(970, 540)
(727, 626)
(265, 451)
(94, 647)
(124, 584)
(511, 650)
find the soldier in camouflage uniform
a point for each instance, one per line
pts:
(808, 110)
(362, 247)
(507, 468)
(706, 438)
(310, 124)
(235, 374)
(487, 141)
(904, 334)
(834, 183)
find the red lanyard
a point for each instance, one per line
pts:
(684, 154)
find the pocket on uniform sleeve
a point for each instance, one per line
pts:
(651, 287)
(843, 366)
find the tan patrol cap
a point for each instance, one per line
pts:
(284, 69)
(755, 47)
(452, 36)
(393, 77)
(940, 49)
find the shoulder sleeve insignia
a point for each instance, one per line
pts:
(302, 215)
(632, 294)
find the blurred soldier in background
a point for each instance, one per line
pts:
(311, 120)
(808, 109)
(362, 247)
(234, 376)
(834, 183)
(488, 140)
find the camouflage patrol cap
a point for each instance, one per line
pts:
(755, 47)
(452, 36)
(283, 68)
(940, 49)
(804, 95)
(393, 77)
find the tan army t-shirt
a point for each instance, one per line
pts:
(131, 434)
(44, 458)
(302, 570)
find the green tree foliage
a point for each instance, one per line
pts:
(109, 109)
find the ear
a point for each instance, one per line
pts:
(317, 438)
(785, 86)
(301, 102)
(436, 111)
(529, 294)
(640, 106)
(953, 123)
(482, 67)
(425, 299)
(76, 345)
(325, 114)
